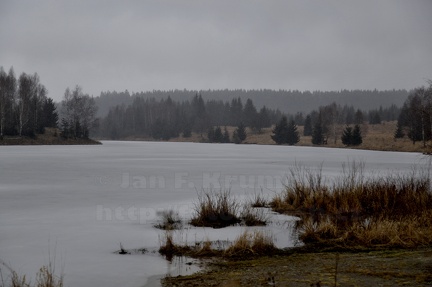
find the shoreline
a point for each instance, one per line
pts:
(425, 152)
(387, 267)
(379, 137)
(155, 281)
(44, 142)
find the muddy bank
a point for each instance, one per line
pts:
(374, 268)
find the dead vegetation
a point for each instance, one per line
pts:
(218, 209)
(389, 211)
(170, 220)
(46, 277)
(255, 243)
(247, 244)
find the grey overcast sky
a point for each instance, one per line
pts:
(197, 44)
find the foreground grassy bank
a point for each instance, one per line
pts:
(390, 211)
(356, 231)
(372, 268)
(50, 137)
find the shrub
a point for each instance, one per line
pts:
(259, 200)
(215, 209)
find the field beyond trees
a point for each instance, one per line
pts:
(375, 137)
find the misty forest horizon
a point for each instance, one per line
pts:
(26, 109)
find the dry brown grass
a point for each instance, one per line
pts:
(170, 220)
(215, 209)
(169, 248)
(218, 209)
(253, 216)
(393, 211)
(251, 244)
(46, 277)
(375, 137)
(256, 243)
(259, 200)
(18, 280)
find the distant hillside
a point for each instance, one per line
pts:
(289, 102)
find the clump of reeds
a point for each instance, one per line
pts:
(169, 248)
(259, 200)
(170, 220)
(46, 277)
(251, 244)
(253, 216)
(256, 243)
(16, 280)
(216, 209)
(204, 249)
(392, 211)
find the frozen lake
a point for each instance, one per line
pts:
(82, 201)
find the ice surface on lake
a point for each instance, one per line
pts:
(82, 201)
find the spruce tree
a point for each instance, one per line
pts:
(280, 132)
(357, 138)
(239, 134)
(226, 137)
(218, 136)
(347, 136)
(211, 134)
(292, 135)
(307, 131)
(399, 132)
(317, 134)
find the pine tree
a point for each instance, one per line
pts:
(49, 115)
(218, 136)
(250, 115)
(317, 134)
(226, 137)
(187, 132)
(352, 136)
(358, 117)
(280, 131)
(239, 134)
(399, 132)
(64, 129)
(357, 138)
(293, 135)
(347, 136)
(211, 134)
(264, 118)
(307, 131)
